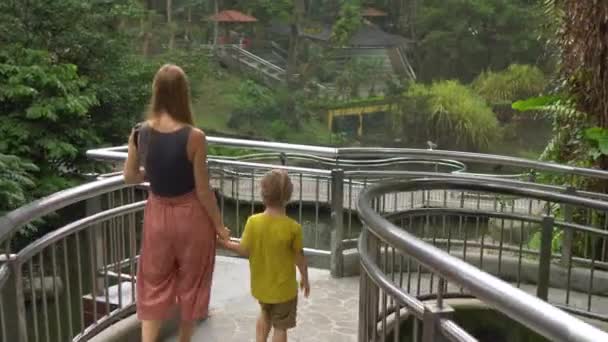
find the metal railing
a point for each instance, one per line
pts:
(77, 280)
(429, 251)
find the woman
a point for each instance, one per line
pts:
(181, 219)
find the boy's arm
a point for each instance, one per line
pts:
(236, 247)
(302, 265)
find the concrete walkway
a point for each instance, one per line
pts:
(330, 314)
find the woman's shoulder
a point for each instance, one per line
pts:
(197, 136)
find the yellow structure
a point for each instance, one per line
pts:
(359, 111)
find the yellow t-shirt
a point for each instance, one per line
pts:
(272, 242)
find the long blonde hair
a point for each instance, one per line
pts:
(171, 94)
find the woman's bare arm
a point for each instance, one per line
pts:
(132, 173)
(203, 188)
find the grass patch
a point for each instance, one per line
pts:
(213, 102)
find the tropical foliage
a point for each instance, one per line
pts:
(449, 114)
(461, 38)
(515, 83)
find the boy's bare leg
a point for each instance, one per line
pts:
(150, 330)
(186, 328)
(262, 328)
(279, 335)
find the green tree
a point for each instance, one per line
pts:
(84, 34)
(461, 38)
(16, 181)
(45, 121)
(69, 81)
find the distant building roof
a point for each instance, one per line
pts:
(366, 36)
(232, 16)
(373, 12)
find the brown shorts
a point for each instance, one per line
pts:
(281, 315)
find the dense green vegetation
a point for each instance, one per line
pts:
(75, 74)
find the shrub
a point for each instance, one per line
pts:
(449, 114)
(515, 83)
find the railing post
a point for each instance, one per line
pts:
(20, 300)
(93, 206)
(337, 218)
(544, 263)
(433, 313)
(568, 234)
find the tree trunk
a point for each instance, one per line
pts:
(188, 35)
(170, 24)
(144, 27)
(292, 56)
(215, 24)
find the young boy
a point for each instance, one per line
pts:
(273, 243)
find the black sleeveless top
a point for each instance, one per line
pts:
(167, 166)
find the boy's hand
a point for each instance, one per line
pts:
(305, 287)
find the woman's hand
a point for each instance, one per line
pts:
(223, 233)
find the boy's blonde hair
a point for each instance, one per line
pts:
(276, 188)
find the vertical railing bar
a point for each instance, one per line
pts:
(238, 201)
(501, 242)
(222, 192)
(3, 321)
(328, 191)
(68, 289)
(604, 245)
(34, 301)
(350, 207)
(252, 191)
(434, 238)
(544, 261)
(119, 252)
(55, 291)
(521, 252)
(592, 273)
(45, 308)
(133, 251)
(400, 270)
(393, 264)
(80, 287)
(384, 296)
(409, 262)
(397, 333)
(465, 242)
(301, 198)
(568, 276)
(93, 261)
(512, 223)
(104, 260)
(466, 238)
(317, 197)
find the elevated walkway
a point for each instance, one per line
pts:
(423, 235)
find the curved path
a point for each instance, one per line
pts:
(330, 314)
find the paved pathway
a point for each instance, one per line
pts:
(330, 314)
(309, 189)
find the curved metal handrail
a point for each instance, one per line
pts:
(528, 310)
(342, 163)
(413, 305)
(21, 216)
(74, 227)
(489, 186)
(119, 154)
(474, 158)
